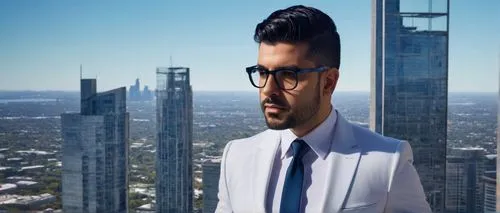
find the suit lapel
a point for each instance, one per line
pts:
(343, 162)
(263, 163)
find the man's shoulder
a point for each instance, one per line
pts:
(369, 140)
(251, 142)
(254, 139)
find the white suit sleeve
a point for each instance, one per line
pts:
(406, 194)
(224, 204)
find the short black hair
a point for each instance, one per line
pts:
(297, 24)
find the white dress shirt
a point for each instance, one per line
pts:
(319, 140)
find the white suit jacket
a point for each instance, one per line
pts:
(367, 172)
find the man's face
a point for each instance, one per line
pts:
(285, 109)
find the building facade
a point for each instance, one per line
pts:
(211, 175)
(174, 157)
(95, 152)
(409, 78)
(464, 182)
(489, 180)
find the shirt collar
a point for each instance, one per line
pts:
(318, 139)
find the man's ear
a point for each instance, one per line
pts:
(331, 78)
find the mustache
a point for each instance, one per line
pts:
(274, 100)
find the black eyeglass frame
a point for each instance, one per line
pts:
(297, 71)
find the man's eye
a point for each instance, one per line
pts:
(287, 74)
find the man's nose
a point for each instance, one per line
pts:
(271, 87)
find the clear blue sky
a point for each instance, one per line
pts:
(43, 43)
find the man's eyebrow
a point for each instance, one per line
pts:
(280, 68)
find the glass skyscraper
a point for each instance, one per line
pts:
(95, 152)
(211, 175)
(464, 181)
(409, 78)
(174, 141)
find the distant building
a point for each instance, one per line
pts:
(147, 94)
(26, 184)
(490, 185)
(14, 179)
(146, 208)
(174, 155)
(135, 93)
(211, 174)
(464, 184)
(409, 84)
(95, 152)
(7, 188)
(35, 168)
(30, 202)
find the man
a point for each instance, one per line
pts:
(311, 159)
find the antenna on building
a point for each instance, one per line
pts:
(81, 72)
(171, 63)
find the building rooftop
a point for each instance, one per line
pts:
(148, 206)
(31, 167)
(491, 157)
(19, 178)
(18, 199)
(34, 151)
(25, 183)
(213, 161)
(491, 174)
(470, 148)
(7, 186)
(5, 168)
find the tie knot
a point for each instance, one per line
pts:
(299, 148)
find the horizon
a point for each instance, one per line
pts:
(227, 91)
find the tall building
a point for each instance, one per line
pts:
(135, 91)
(174, 125)
(490, 185)
(147, 94)
(409, 78)
(95, 152)
(464, 182)
(211, 175)
(489, 181)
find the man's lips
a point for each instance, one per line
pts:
(272, 108)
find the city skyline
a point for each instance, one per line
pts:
(48, 41)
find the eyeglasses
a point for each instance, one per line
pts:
(285, 78)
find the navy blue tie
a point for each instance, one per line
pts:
(292, 190)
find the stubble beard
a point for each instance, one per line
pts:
(293, 116)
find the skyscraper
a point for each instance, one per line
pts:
(409, 78)
(464, 181)
(95, 152)
(174, 157)
(211, 174)
(490, 183)
(135, 91)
